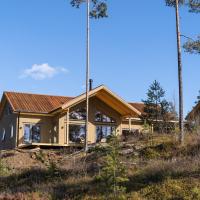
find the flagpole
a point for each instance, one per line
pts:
(87, 74)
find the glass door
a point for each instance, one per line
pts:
(103, 131)
(27, 133)
(31, 133)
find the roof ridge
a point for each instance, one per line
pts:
(137, 102)
(27, 93)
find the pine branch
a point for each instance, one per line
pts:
(194, 6)
(99, 7)
(192, 46)
(172, 3)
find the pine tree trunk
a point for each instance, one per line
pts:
(87, 75)
(180, 81)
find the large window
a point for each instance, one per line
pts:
(102, 132)
(77, 129)
(78, 114)
(31, 133)
(76, 133)
(100, 117)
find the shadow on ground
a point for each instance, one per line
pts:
(54, 183)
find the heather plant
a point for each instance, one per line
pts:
(3, 169)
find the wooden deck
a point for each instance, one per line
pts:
(49, 145)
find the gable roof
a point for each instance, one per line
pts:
(195, 111)
(139, 106)
(49, 104)
(35, 103)
(108, 97)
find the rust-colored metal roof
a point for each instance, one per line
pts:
(39, 103)
(194, 112)
(35, 103)
(139, 107)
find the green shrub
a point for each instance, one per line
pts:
(40, 157)
(113, 174)
(165, 147)
(196, 193)
(52, 169)
(189, 150)
(99, 149)
(135, 196)
(172, 189)
(164, 150)
(3, 169)
(149, 153)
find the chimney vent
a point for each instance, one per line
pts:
(91, 82)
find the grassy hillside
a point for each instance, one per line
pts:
(157, 168)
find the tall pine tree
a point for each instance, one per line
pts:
(156, 106)
(176, 4)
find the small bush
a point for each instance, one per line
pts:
(149, 153)
(165, 147)
(3, 169)
(135, 196)
(52, 169)
(196, 193)
(189, 150)
(99, 149)
(172, 189)
(40, 157)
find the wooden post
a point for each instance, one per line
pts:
(130, 125)
(67, 127)
(17, 127)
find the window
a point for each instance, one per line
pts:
(102, 132)
(27, 133)
(78, 114)
(35, 133)
(31, 133)
(11, 131)
(3, 134)
(99, 117)
(76, 133)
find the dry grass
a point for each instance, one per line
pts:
(158, 168)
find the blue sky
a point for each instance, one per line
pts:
(130, 49)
